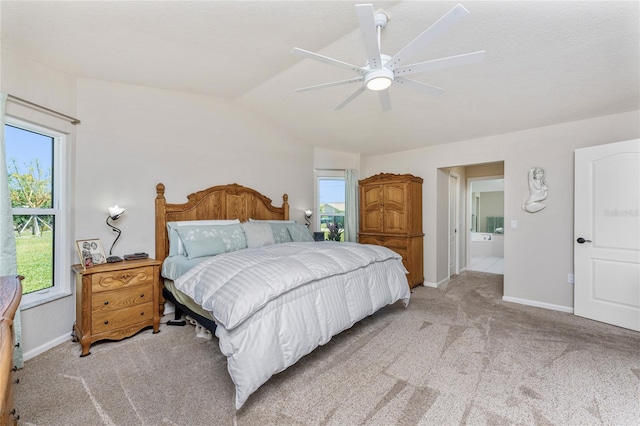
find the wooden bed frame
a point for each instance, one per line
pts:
(231, 201)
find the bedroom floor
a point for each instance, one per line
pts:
(457, 355)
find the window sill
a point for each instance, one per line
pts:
(34, 300)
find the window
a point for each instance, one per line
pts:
(331, 207)
(34, 163)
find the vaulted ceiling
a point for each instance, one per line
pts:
(545, 62)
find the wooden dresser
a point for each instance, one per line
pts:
(116, 300)
(391, 216)
(10, 295)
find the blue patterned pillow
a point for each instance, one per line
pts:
(299, 233)
(280, 232)
(205, 247)
(231, 235)
(175, 242)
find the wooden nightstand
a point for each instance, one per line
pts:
(116, 300)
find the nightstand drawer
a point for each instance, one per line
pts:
(105, 281)
(109, 320)
(111, 300)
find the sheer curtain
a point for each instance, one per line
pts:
(8, 264)
(7, 238)
(351, 205)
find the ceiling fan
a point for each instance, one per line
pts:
(382, 71)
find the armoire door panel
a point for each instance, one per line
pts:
(371, 208)
(395, 221)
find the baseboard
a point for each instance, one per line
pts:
(169, 309)
(436, 285)
(43, 348)
(537, 304)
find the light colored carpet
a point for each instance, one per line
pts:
(457, 355)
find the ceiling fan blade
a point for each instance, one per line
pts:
(439, 64)
(334, 83)
(369, 34)
(430, 34)
(427, 88)
(327, 60)
(350, 98)
(385, 100)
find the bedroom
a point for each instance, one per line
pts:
(134, 129)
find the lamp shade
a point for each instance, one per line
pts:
(308, 213)
(115, 212)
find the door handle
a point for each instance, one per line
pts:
(582, 240)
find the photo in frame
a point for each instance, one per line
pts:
(90, 252)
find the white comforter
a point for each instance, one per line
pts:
(275, 304)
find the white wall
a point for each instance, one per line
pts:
(133, 138)
(324, 159)
(539, 253)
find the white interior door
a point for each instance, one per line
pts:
(453, 224)
(607, 233)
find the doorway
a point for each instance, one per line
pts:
(486, 224)
(453, 216)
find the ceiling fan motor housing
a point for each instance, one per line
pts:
(381, 18)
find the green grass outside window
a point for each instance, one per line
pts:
(35, 261)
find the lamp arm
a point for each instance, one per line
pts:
(114, 229)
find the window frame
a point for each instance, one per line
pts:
(59, 209)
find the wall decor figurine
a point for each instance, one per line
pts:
(537, 190)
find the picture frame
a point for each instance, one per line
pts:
(90, 252)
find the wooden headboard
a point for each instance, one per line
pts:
(218, 202)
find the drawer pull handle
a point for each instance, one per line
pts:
(15, 368)
(141, 313)
(142, 295)
(16, 417)
(17, 345)
(12, 412)
(106, 322)
(16, 381)
(106, 302)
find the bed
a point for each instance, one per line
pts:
(240, 267)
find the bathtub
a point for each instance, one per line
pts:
(481, 236)
(484, 244)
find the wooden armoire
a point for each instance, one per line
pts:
(391, 216)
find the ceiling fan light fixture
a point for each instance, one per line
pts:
(378, 79)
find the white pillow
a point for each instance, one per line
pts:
(258, 234)
(175, 242)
